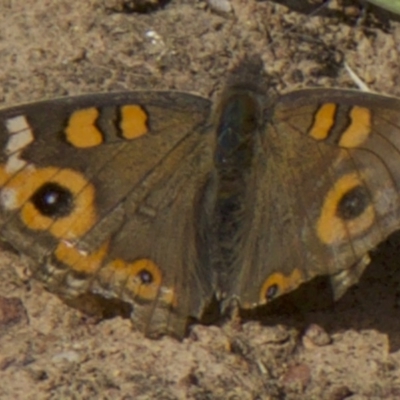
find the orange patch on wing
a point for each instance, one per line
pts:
(359, 129)
(78, 261)
(81, 131)
(284, 283)
(331, 228)
(133, 121)
(323, 121)
(126, 277)
(23, 185)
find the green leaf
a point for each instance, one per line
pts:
(391, 5)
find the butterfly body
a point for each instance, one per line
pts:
(154, 199)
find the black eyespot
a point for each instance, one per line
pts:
(53, 200)
(272, 292)
(353, 203)
(145, 276)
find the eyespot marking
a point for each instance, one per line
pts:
(359, 128)
(141, 278)
(19, 189)
(353, 203)
(81, 131)
(277, 284)
(53, 200)
(133, 122)
(324, 120)
(347, 210)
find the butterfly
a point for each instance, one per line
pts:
(167, 202)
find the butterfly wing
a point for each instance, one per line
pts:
(322, 191)
(103, 192)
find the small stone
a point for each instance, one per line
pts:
(315, 336)
(12, 311)
(339, 393)
(297, 377)
(221, 6)
(352, 11)
(67, 356)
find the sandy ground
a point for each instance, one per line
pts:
(349, 350)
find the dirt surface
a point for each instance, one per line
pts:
(350, 350)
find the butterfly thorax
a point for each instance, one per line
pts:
(237, 124)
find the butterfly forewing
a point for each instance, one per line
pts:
(102, 191)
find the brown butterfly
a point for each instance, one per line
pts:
(165, 203)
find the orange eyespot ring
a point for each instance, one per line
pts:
(277, 284)
(40, 193)
(347, 210)
(138, 279)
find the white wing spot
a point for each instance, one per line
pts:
(17, 124)
(8, 198)
(19, 141)
(14, 164)
(21, 136)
